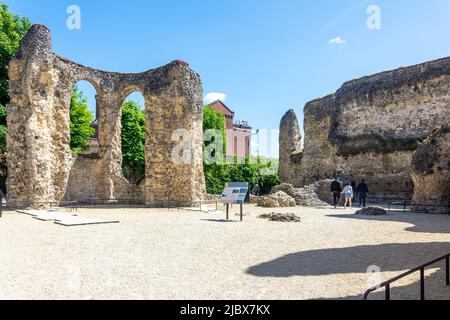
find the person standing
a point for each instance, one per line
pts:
(348, 195)
(354, 190)
(336, 190)
(363, 190)
(257, 190)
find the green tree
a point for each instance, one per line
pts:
(3, 111)
(216, 175)
(133, 141)
(3, 135)
(254, 171)
(213, 120)
(12, 29)
(80, 122)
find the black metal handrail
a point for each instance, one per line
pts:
(421, 269)
(404, 204)
(127, 203)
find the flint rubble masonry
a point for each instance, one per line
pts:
(371, 128)
(42, 168)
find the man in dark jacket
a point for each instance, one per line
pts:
(363, 190)
(336, 190)
(355, 190)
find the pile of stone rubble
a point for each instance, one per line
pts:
(281, 217)
(277, 199)
(309, 196)
(372, 211)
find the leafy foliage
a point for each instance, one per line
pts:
(12, 29)
(3, 111)
(213, 120)
(80, 122)
(216, 175)
(133, 141)
(3, 136)
(254, 170)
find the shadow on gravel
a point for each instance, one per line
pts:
(435, 289)
(419, 221)
(389, 257)
(218, 220)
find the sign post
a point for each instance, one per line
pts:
(235, 193)
(1, 203)
(242, 212)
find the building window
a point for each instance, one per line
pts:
(247, 146)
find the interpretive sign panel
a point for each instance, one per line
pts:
(234, 193)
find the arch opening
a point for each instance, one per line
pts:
(133, 137)
(84, 113)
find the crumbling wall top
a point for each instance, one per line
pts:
(398, 77)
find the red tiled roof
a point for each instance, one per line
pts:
(221, 107)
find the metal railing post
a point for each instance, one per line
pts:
(422, 284)
(421, 269)
(447, 271)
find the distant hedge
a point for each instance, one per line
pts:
(217, 175)
(254, 170)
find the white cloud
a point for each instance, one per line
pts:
(338, 41)
(213, 96)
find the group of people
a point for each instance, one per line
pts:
(349, 192)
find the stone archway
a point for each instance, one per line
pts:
(42, 169)
(133, 137)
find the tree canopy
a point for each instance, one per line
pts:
(214, 120)
(217, 174)
(80, 122)
(12, 29)
(133, 141)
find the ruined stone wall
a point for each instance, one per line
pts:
(431, 171)
(371, 127)
(42, 168)
(290, 149)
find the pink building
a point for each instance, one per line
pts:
(239, 133)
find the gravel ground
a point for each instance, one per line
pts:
(171, 254)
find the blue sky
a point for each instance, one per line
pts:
(265, 56)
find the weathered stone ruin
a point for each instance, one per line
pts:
(43, 170)
(431, 172)
(290, 145)
(308, 196)
(371, 128)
